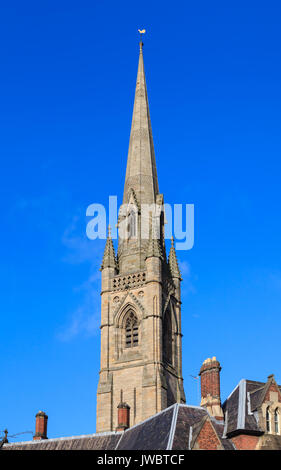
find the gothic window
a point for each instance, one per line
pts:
(131, 227)
(267, 418)
(167, 337)
(276, 421)
(131, 331)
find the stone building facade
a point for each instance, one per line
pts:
(141, 351)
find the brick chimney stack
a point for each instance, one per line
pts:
(123, 416)
(210, 387)
(40, 426)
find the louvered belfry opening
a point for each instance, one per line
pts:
(167, 338)
(132, 330)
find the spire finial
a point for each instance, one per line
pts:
(153, 247)
(109, 258)
(173, 262)
(141, 31)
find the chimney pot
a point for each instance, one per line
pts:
(123, 416)
(40, 426)
(210, 387)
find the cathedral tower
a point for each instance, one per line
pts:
(141, 351)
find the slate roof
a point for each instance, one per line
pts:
(240, 408)
(187, 417)
(171, 429)
(255, 397)
(151, 434)
(107, 441)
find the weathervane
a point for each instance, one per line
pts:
(141, 31)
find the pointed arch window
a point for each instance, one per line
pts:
(131, 227)
(276, 421)
(267, 418)
(131, 331)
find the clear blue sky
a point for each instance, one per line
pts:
(68, 72)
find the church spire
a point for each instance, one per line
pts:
(141, 352)
(141, 174)
(109, 258)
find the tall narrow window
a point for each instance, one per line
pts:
(131, 331)
(167, 337)
(276, 421)
(131, 227)
(267, 417)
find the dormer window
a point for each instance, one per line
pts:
(276, 421)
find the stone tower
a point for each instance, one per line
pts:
(141, 351)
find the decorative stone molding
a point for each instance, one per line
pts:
(128, 282)
(168, 286)
(123, 307)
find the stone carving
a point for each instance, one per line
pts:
(128, 282)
